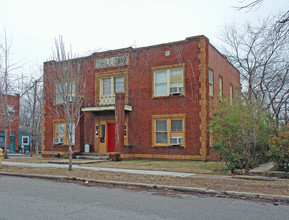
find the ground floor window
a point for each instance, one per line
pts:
(61, 130)
(168, 130)
(25, 140)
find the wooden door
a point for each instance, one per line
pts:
(102, 138)
(111, 137)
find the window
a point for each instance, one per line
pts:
(64, 91)
(119, 84)
(237, 92)
(166, 127)
(60, 131)
(10, 109)
(109, 86)
(168, 81)
(220, 87)
(25, 140)
(161, 132)
(177, 125)
(125, 130)
(231, 93)
(211, 83)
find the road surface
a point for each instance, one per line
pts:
(24, 198)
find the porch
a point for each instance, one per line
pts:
(106, 103)
(107, 116)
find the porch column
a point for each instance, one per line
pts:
(119, 121)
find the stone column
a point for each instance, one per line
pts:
(119, 121)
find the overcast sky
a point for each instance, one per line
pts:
(92, 25)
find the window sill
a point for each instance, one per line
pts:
(168, 96)
(171, 146)
(62, 145)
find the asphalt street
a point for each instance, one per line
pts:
(24, 198)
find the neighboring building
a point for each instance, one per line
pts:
(25, 139)
(13, 113)
(149, 102)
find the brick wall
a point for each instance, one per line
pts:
(195, 55)
(14, 126)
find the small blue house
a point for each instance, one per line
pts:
(11, 141)
(25, 139)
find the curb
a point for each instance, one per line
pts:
(153, 186)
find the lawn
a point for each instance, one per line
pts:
(162, 165)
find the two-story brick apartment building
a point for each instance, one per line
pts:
(11, 103)
(149, 102)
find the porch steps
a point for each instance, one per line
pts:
(93, 156)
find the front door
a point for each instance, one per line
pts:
(110, 137)
(12, 144)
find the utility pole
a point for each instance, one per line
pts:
(33, 121)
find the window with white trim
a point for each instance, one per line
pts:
(168, 82)
(25, 140)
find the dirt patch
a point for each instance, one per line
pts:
(277, 187)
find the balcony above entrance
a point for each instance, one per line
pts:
(106, 103)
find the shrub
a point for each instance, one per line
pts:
(241, 133)
(279, 149)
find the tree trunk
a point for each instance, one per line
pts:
(5, 145)
(70, 157)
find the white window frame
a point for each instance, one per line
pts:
(23, 137)
(168, 81)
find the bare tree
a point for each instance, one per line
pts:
(261, 55)
(8, 86)
(65, 87)
(249, 6)
(283, 19)
(30, 117)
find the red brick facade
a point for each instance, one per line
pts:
(14, 102)
(143, 108)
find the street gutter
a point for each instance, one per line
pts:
(194, 190)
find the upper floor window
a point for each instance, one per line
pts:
(211, 82)
(64, 91)
(231, 93)
(168, 82)
(237, 91)
(220, 87)
(109, 86)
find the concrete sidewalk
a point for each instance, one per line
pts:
(260, 170)
(150, 172)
